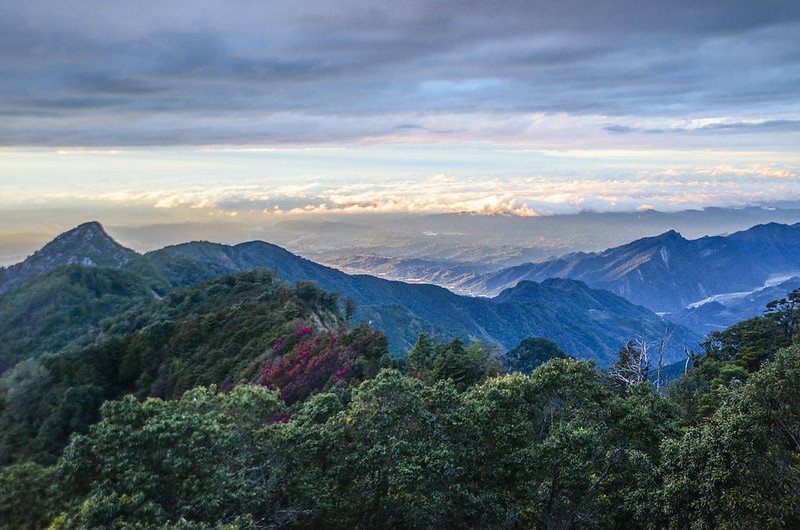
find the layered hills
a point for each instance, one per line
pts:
(668, 273)
(584, 322)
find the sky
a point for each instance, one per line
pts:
(142, 112)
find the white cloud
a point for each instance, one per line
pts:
(668, 188)
(755, 170)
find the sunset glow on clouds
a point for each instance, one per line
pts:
(668, 189)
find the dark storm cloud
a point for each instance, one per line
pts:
(136, 73)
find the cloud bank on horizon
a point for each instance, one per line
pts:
(570, 80)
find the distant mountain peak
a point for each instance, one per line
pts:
(90, 229)
(93, 225)
(528, 290)
(87, 244)
(767, 230)
(670, 239)
(669, 235)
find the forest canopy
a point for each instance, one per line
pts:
(244, 403)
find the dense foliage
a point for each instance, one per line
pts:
(531, 353)
(432, 361)
(243, 403)
(741, 467)
(556, 449)
(65, 305)
(224, 332)
(733, 354)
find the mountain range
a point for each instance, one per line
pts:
(668, 273)
(585, 322)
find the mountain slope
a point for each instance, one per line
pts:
(667, 273)
(87, 244)
(584, 322)
(223, 332)
(64, 306)
(409, 270)
(725, 310)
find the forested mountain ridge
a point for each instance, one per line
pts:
(667, 273)
(224, 332)
(584, 322)
(64, 306)
(566, 311)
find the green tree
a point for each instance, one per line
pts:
(531, 353)
(386, 460)
(748, 343)
(196, 458)
(432, 361)
(741, 469)
(27, 499)
(419, 358)
(787, 312)
(464, 366)
(558, 449)
(349, 309)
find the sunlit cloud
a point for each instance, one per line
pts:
(767, 171)
(670, 188)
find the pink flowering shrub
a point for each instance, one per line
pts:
(307, 362)
(302, 331)
(306, 368)
(343, 373)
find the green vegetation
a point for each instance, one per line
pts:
(732, 355)
(584, 322)
(225, 332)
(432, 361)
(741, 467)
(63, 306)
(531, 353)
(244, 403)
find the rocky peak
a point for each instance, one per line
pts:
(87, 244)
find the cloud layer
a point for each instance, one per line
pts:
(669, 189)
(555, 72)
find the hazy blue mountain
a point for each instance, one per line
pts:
(87, 244)
(584, 322)
(667, 273)
(448, 240)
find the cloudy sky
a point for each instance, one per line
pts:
(197, 109)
